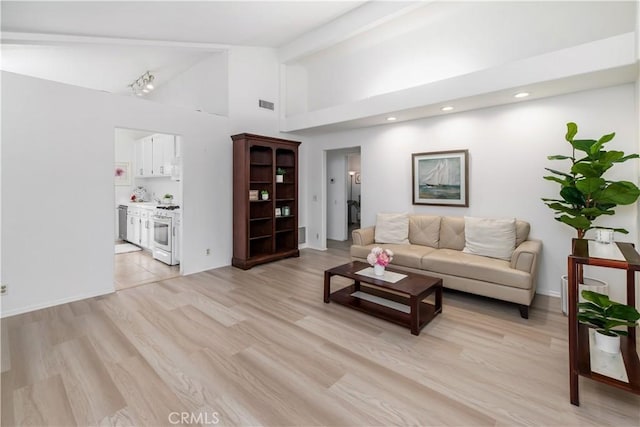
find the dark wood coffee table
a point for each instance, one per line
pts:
(416, 287)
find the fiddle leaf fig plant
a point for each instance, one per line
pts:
(584, 193)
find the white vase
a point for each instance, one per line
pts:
(608, 344)
(279, 178)
(378, 270)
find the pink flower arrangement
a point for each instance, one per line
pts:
(380, 256)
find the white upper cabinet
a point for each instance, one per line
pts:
(164, 151)
(154, 155)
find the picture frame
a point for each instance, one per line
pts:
(440, 178)
(122, 173)
(358, 178)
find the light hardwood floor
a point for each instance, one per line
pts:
(138, 268)
(259, 347)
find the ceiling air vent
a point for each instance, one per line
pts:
(265, 104)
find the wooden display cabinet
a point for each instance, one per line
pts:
(579, 351)
(259, 235)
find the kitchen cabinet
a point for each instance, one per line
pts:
(144, 156)
(164, 146)
(154, 155)
(144, 228)
(133, 225)
(140, 226)
(176, 163)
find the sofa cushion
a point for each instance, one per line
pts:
(424, 230)
(456, 263)
(452, 233)
(522, 232)
(392, 228)
(494, 238)
(405, 255)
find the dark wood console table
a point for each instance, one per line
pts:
(579, 353)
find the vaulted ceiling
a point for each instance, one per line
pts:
(106, 45)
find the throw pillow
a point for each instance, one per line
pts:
(494, 238)
(424, 230)
(392, 228)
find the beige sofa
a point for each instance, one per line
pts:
(435, 249)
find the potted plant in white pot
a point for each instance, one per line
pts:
(280, 172)
(585, 194)
(604, 315)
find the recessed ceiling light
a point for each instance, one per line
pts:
(521, 95)
(447, 108)
(149, 82)
(391, 118)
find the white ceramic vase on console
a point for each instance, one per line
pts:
(378, 270)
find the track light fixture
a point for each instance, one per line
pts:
(143, 84)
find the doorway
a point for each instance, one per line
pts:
(148, 203)
(343, 172)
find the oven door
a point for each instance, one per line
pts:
(162, 234)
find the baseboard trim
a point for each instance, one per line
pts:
(555, 294)
(48, 304)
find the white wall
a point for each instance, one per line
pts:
(339, 182)
(158, 187)
(353, 160)
(57, 151)
(253, 75)
(507, 145)
(202, 87)
(337, 195)
(295, 82)
(446, 39)
(124, 153)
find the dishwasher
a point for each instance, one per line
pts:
(122, 222)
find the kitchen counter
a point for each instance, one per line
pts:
(146, 205)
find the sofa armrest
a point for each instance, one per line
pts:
(363, 236)
(525, 257)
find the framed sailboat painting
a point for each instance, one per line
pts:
(441, 178)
